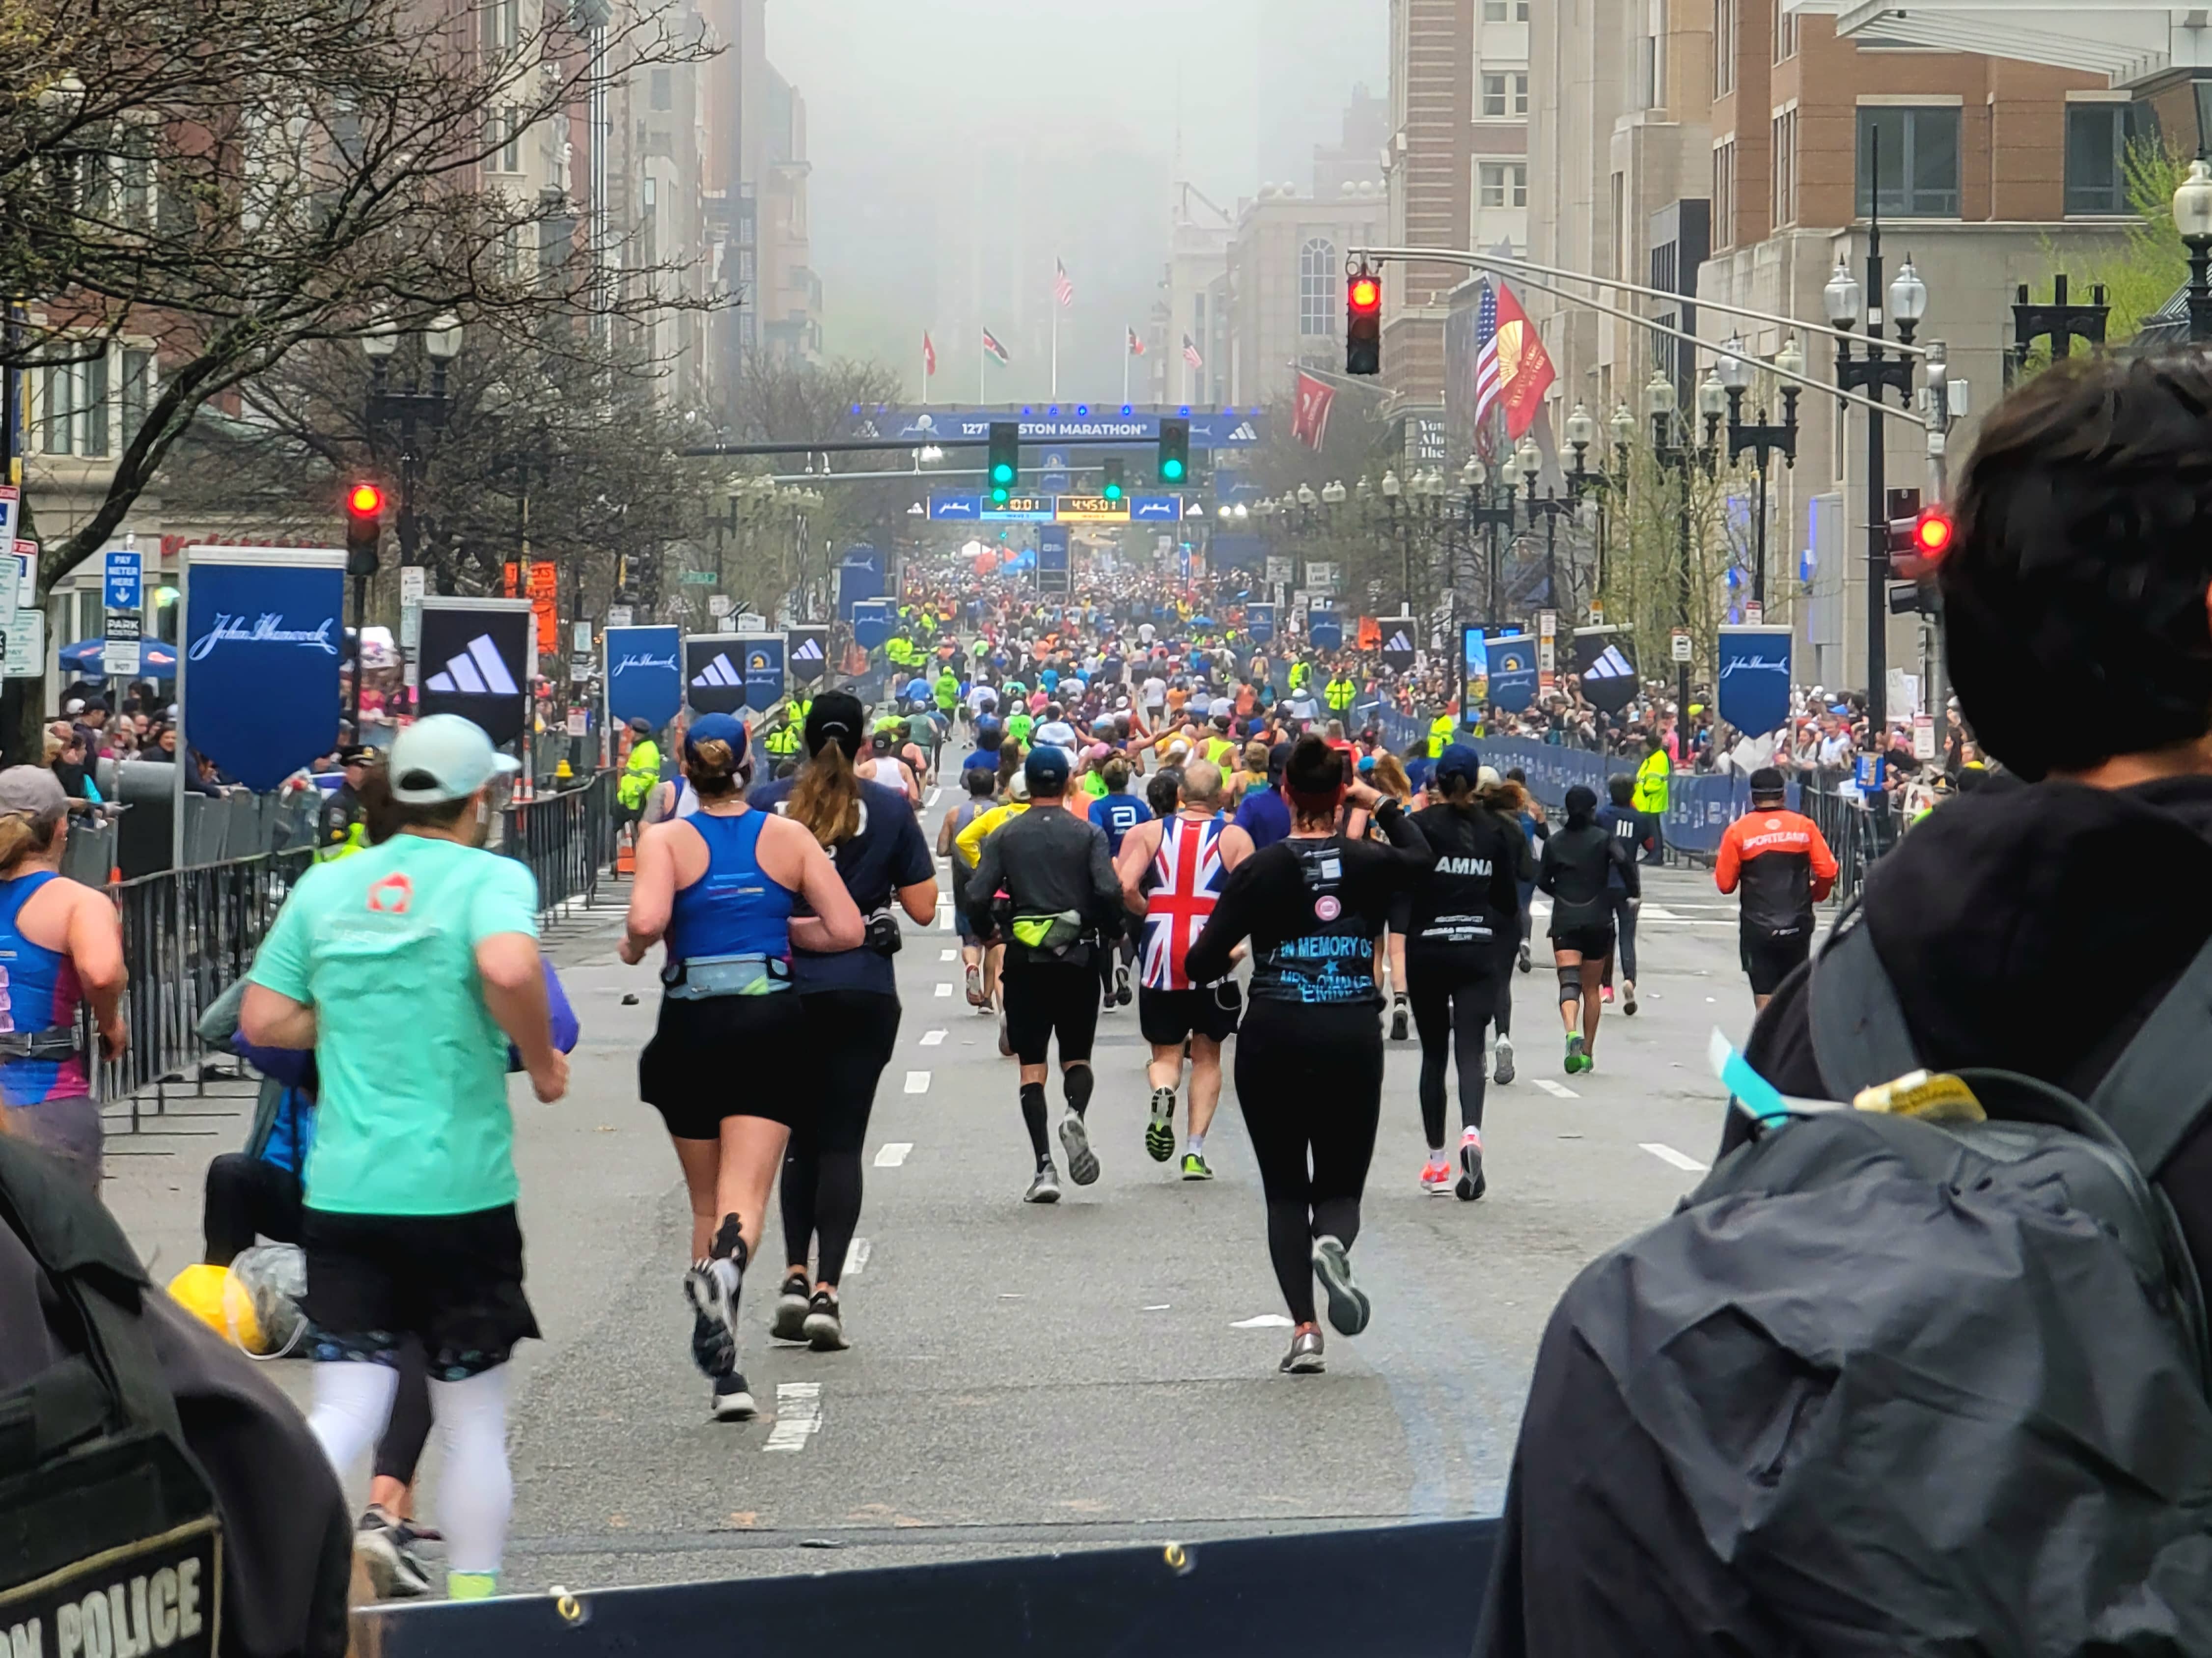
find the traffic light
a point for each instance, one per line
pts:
(1174, 450)
(1112, 475)
(1362, 323)
(364, 528)
(1918, 539)
(1006, 459)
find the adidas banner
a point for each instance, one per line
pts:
(763, 660)
(1259, 622)
(1512, 665)
(645, 675)
(475, 660)
(1325, 630)
(1754, 678)
(810, 655)
(1399, 633)
(1608, 676)
(265, 635)
(715, 673)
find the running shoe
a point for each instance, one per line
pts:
(1348, 1307)
(826, 1325)
(1471, 1184)
(1436, 1174)
(1305, 1357)
(791, 1304)
(733, 1401)
(1628, 996)
(386, 1552)
(1122, 993)
(1503, 1073)
(712, 1288)
(1075, 1140)
(1045, 1188)
(975, 986)
(1524, 958)
(1402, 1019)
(1006, 1041)
(1159, 1133)
(1193, 1166)
(1578, 1060)
(1604, 995)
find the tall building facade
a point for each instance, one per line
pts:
(1285, 283)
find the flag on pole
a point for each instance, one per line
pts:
(1062, 289)
(1190, 354)
(1485, 353)
(928, 354)
(991, 344)
(1309, 425)
(1523, 369)
(1136, 345)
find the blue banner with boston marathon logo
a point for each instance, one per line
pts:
(1754, 678)
(1325, 630)
(1260, 622)
(645, 675)
(264, 635)
(1512, 662)
(764, 657)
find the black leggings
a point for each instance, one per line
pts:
(850, 1038)
(1454, 995)
(1309, 1083)
(1624, 927)
(249, 1198)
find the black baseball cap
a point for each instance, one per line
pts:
(1046, 768)
(836, 716)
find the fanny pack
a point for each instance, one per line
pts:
(58, 1043)
(702, 977)
(1055, 934)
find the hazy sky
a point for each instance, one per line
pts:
(958, 146)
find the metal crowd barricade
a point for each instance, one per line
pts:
(567, 838)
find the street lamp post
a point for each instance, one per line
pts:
(1763, 438)
(1678, 453)
(1547, 506)
(1874, 373)
(2193, 217)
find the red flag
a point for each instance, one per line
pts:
(928, 354)
(1524, 367)
(1309, 426)
(1136, 345)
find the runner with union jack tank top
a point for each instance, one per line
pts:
(1171, 871)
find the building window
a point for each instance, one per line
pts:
(1724, 193)
(1504, 183)
(1909, 158)
(1723, 47)
(1786, 31)
(57, 408)
(1320, 288)
(1785, 167)
(664, 88)
(1505, 95)
(92, 379)
(2096, 158)
(502, 24)
(138, 391)
(1504, 11)
(510, 148)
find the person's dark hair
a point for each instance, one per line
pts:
(1163, 792)
(2083, 551)
(713, 768)
(1314, 778)
(1620, 789)
(982, 781)
(1516, 776)
(1653, 741)
(381, 816)
(1767, 784)
(1581, 805)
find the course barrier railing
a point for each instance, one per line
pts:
(567, 838)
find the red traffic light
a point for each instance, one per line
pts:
(1366, 293)
(364, 500)
(1931, 533)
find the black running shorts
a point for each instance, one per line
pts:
(725, 1056)
(1048, 999)
(1768, 959)
(452, 1281)
(1168, 1017)
(1593, 943)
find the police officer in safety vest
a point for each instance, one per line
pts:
(342, 829)
(642, 770)
(1341, 693)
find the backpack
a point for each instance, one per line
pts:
(1922, 1380)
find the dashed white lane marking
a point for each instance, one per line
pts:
(944, 916)
(933, 794)
(948, 954)
(892, 1153)
(932, 1039)
(917, 1082)
(798, 1416)
(945, 990)
(1557, 1090)
(856, 1257)
(1656, 912)
(1264, 1321)
(1681, 1160)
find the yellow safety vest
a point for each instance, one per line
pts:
(1341, 693)
(1440, 736)
(1652, 782)
(640, 773)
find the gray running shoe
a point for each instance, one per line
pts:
(386, 1547)
(791, 1305)
(712, 1288)
(1045, 1188)
(1348, 1307)
(1504, 1072)
(1305, 1357)
(826, 1325)
(1075, 1140)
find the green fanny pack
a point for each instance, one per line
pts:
(702, 977)
(1055, 933)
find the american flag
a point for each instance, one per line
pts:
(1062, 289)
(1190, 354)
(1486, 353)
(1136, 345)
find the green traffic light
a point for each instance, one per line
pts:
(999, 497)
(1113, 492)
(1172, 470)
(1002, 473)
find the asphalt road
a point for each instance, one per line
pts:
(1027, 1378)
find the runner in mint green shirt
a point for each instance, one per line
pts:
(409, 968)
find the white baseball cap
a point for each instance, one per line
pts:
(444, 757)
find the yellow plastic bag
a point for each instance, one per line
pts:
(215, 1297)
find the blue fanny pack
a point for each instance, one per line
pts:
(702, 977)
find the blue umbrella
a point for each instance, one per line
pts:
(87, 657)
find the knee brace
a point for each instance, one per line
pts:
(1570, 983)
(1076, 1082)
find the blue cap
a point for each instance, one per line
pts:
(716, 728)
(1046, 768)
(1458, 760)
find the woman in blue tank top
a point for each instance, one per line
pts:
(726, 1066)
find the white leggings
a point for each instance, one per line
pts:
(476, 1490)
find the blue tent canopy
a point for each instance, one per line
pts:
(156, 660)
